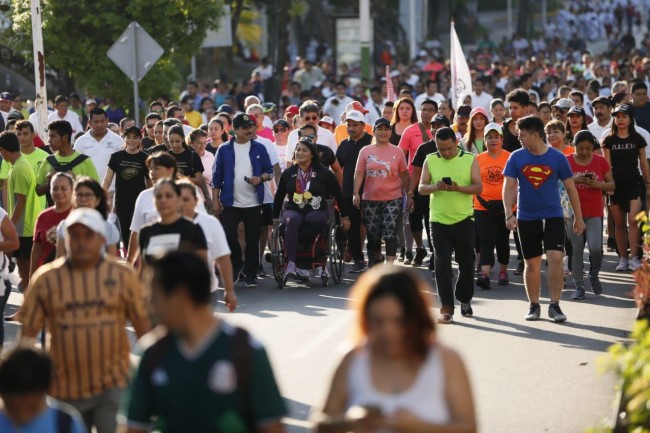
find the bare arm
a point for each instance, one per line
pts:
(133, 249)
(413, 184)
(643, 162)
(37, 251)
(338, 171)
(198, 180)
(277, 172)
(425, 187)
(331, 418)
(10, 241)
(359, 176)
(19, 208)
(225, 270)
(108, 179)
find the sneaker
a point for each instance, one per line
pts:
(290, 271)
(635, 263)
(478, 270)
(446, 318)
(466, 310)
(555, 313)
(623, 265)
(503, 278)
(578, 294)
(483, 281)
(238, 276)
(375, 261)
(611, 244)
(596, 285)
(533, 312)
(520, 268)
(251, 282)
(358, 267)
(402, 255)
(302, 273)
(420, 254)
(408, 258)
(260, 272)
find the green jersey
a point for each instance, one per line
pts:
(23, 181)
(198, 391)
(35, 159)
(450, 207)
(86, 168)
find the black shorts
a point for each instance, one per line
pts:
(626, 191)
(267, 214)
(538, 236)
(420, 212)
(24, 250)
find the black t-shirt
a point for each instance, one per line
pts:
(642, 116)
(183, 235)
(158, 148)
(147, 143)
(394, 137)
(212, 150)
(424, 150)
(131, 176)
(189, 162)
(347, 155)
(624, 154)
(510, 141)
(326, 155)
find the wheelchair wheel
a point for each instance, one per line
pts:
(336, 252)
(325, 280)
(277, 257)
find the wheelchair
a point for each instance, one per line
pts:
(319, 248)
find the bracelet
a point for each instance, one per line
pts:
(410, 194)
(511, 216)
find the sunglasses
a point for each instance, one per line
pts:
(280, 130)
(151, 126)
(310, 118)
(309, 136)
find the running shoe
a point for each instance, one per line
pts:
(251, 282)
(260, 271)
(238, 276)
(483, 281)
(555, 313)
(358, 267)
(446, 318)
(534, 312)
(596, 285)
(503, 278)
(466, 309)
(420, 254)
(611, 244)
(408, 258)
(520, 268)
(578, 293)
(402, 255)
(290, 270)
(635, 263)
(623, 265)
(477, 271)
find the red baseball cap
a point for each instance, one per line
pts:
(292, 109)
(356, 106)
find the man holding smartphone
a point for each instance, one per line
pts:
(452, 177)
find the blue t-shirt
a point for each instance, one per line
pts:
(46, 422)
(538, 175)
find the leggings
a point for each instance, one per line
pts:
(594, 234)
(381, 222)
(492, 232)
(293, 220)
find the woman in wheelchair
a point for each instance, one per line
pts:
(307, 184)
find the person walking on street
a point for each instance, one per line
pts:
(199, 374)
(92, 376)
(452, 176)
(531, 182)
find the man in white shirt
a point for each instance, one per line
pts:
(375, 105)
(430, 92)
(336, 104)
(479, 97)
(61, 112)
(603, 117)
(99, 143)
(310, 113)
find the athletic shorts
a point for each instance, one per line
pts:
(626, 191)
(267, 214)
(538, 236)
(24, 250)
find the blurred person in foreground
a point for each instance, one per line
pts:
(398, 377)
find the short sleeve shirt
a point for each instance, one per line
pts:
(22, 181)
(538, 176)
(183, 235)
(591, 199)
(131, 176)
(382, 167)
(411, 139)
(86, 168)
(178, 391)
(491, 176)
(624, 154)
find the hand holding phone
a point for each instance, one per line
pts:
(447, 180)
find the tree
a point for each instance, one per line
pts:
(77, 35)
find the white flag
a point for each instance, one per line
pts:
(461, 79)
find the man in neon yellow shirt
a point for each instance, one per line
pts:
(22, 203)
(452, 177)
(66, 158)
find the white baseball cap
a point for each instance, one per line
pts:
(356, 116)
(88, 217)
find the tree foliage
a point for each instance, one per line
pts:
(77, 35)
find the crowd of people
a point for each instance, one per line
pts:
(110, 222)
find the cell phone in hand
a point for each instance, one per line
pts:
(247, 179)
(446, 180)
(588, 175)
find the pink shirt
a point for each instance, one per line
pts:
(411, 140)
(382, 166)
(267, 133)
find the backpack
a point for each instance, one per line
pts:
(58, 167)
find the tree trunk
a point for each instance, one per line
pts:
(236, 8)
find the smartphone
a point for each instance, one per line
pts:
(446, 180)
(588, 175)
(247, 179)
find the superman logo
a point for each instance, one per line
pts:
(537, 174)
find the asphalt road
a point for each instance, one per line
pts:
(526, 376)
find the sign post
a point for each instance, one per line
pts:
(135, 52)
(40, 101)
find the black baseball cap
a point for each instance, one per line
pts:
(464, 111)
(624, 108)
(576, 110)
(225, 108)
(6, 96)
(282, 123)
(602, 100)
(381, 122)
(242, 120)
(440, 118)
(133, 130)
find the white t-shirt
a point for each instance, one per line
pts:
(334, 110)
(71, 117)
(216, 240)
(270, 149)
(281, 152)
(599, 131)
(146, 213)
(423, 97)
(208, 162)
(99, 151)
(244, 194)
(483, 100)
(325, 138)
